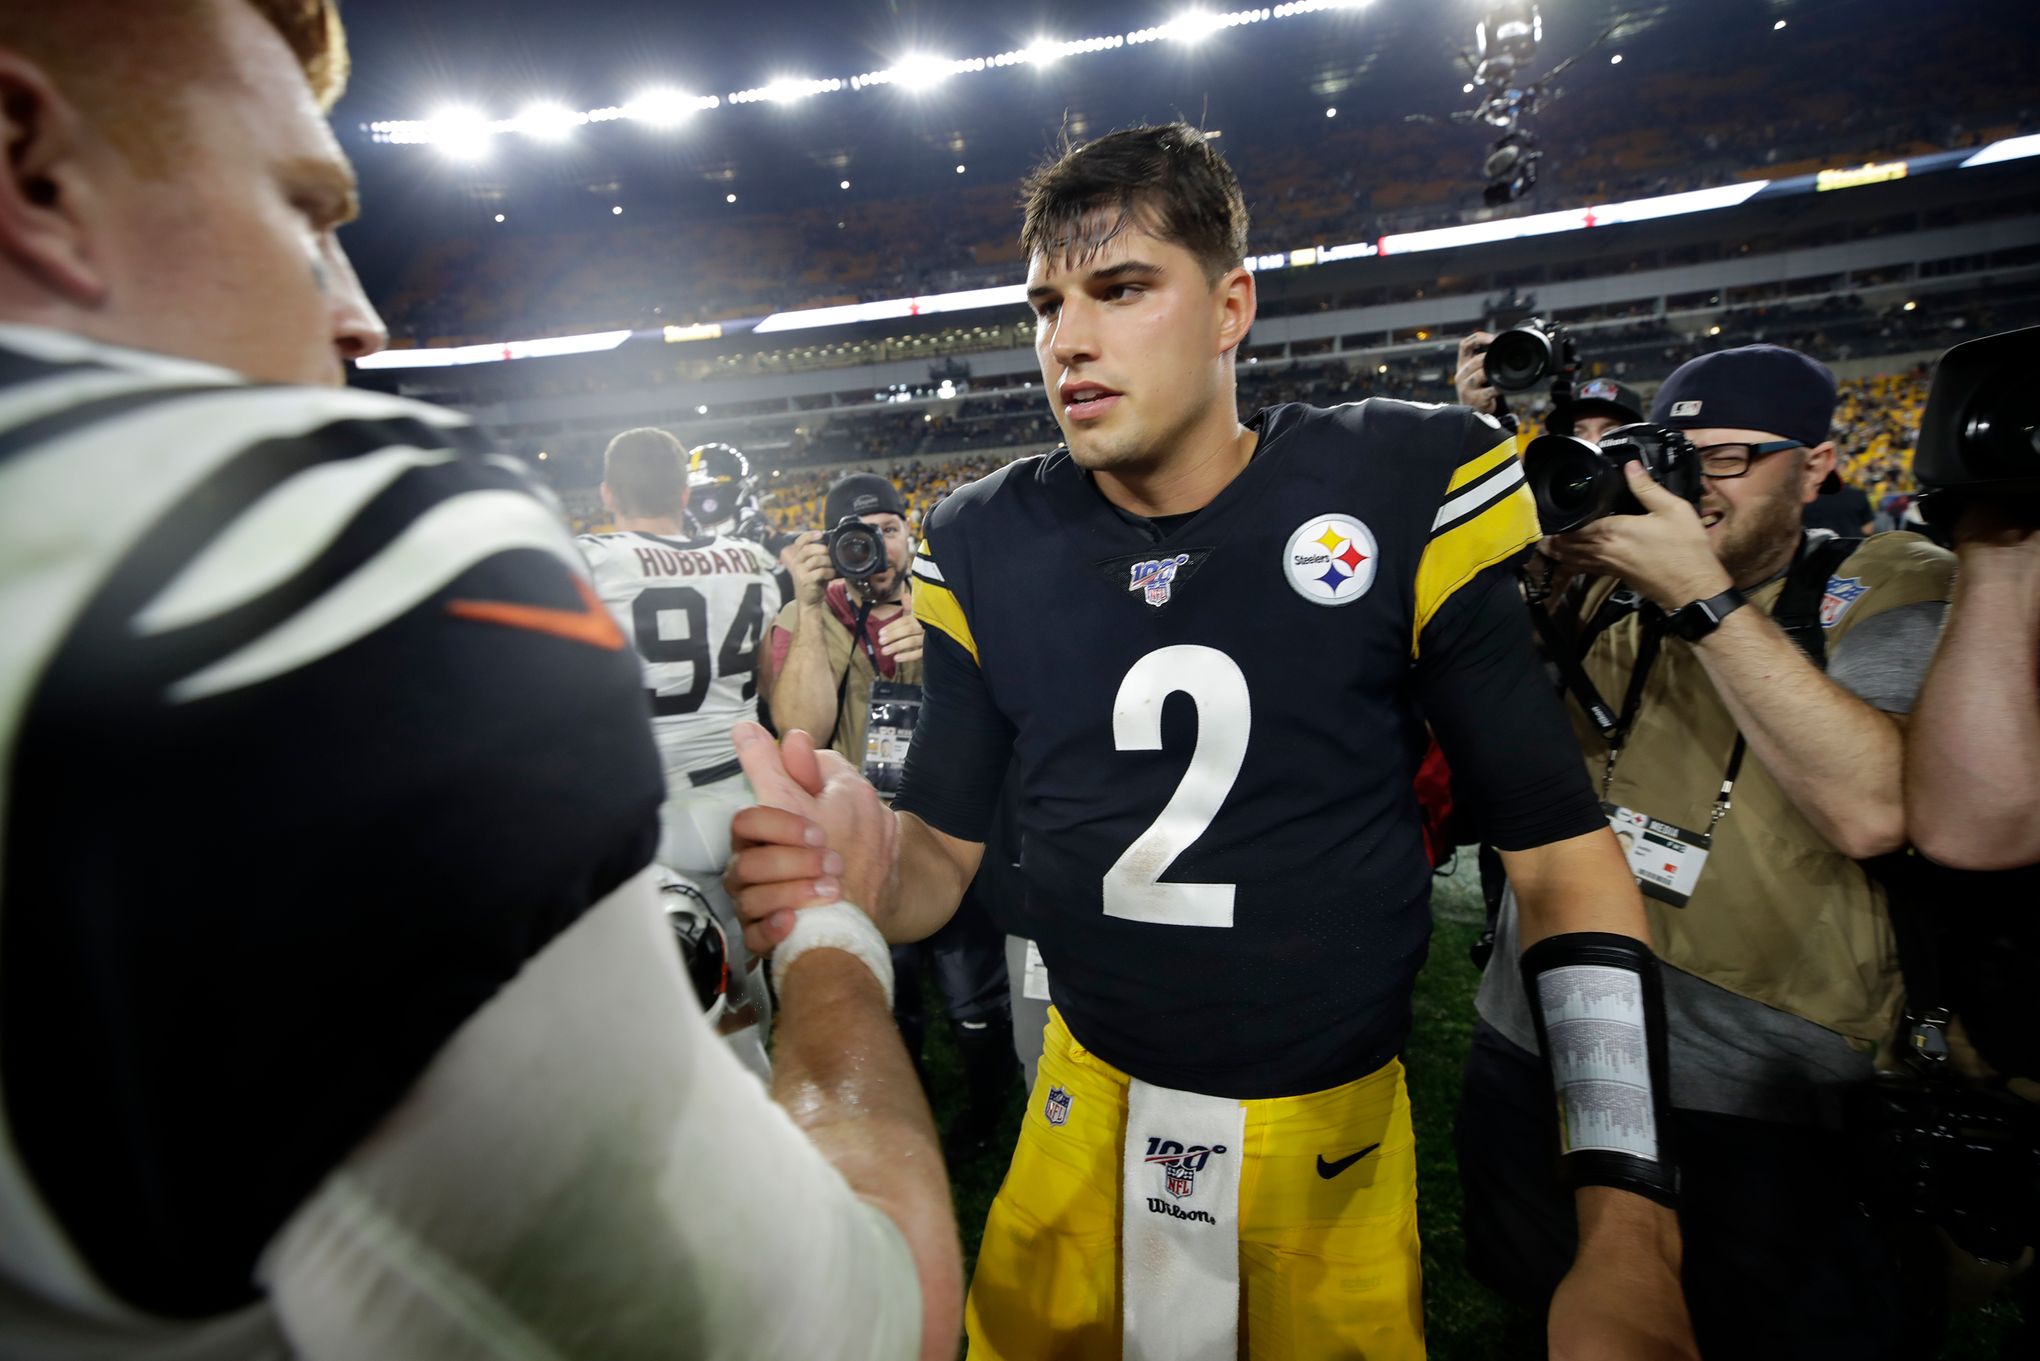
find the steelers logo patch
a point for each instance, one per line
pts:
(1330, 560)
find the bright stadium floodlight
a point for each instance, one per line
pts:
(918, 71)
(661, 108)
(1194, 26)
(1041, 52)
(461, 134)
(549, 122)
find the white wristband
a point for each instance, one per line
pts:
(837, 926)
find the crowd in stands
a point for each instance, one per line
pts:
(1673, 122)
(1877, 424)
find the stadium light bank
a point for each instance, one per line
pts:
(465, 134)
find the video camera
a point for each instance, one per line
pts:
(1576, 482)
(1980, 433)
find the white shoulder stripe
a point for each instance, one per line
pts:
(1480, 494)
(278, 537)
(925, 567)
(437, 547)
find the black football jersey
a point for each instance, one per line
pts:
(1216, 724)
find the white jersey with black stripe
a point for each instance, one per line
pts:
(328, 797)
(240, 697)
(695, 611)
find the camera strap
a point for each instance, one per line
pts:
(858, 635)
(1797, 612)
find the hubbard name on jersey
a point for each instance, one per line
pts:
(695, 610)
(1217, 718)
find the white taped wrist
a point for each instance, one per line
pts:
(838, 926)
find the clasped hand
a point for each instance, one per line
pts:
(818, 834)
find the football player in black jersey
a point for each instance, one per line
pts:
(1212, 647)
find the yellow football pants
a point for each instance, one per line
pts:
(1329, 1264)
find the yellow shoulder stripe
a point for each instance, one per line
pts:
(1474, 468)
(938, 608)
(1503, 528)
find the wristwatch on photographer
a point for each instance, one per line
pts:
(1699, 618)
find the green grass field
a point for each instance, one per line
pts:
(1463, 1322)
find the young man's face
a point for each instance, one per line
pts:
(230, 257)
(1135, 346)
(1591, 428)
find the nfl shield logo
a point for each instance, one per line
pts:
(1057, 1108)
(1179, 1179)
(1842, 592)
(1156, 578)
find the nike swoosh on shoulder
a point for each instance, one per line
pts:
(1330, 1170)
(590, 624)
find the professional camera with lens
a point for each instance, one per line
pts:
(1528, 353)
(856, 550)
(1981, 429)
(1577, 482)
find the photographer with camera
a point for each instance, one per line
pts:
(1973, 750)
(846, 668)
(851, 621)
(1750, 742)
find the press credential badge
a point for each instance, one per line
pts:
(1665, 858)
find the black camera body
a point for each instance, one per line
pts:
(856, 550)
(1530, 352)
(1577, 482)
(1981, 429)
(1964, 1158)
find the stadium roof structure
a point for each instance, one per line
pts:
(1583, 218)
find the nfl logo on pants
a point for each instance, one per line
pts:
(1056, 1109)
(1180, 1165)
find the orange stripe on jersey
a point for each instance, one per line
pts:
(591, 624)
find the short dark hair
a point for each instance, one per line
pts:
(1166, 178)
(646, 472)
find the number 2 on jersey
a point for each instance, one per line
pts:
(1216, 685)
(738, 657)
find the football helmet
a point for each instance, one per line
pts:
(721, 493)
(704, 950)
